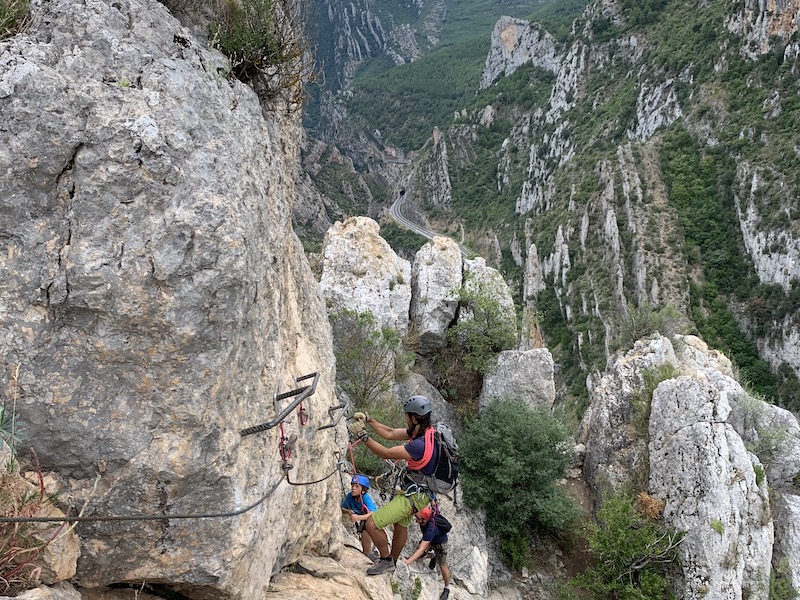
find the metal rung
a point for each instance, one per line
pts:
(302, 393)
(335, 421)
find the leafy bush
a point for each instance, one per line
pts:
(472, 346)
(780, 582)
(14, 17)
(633, 554)
(265, 42)
(512, 458)
(486, 332)
(644, 320)
(368, 358)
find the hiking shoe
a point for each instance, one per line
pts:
(373, 556)
(432, 563)
(445, 594)
(384, 565)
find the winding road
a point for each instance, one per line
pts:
(397, 214)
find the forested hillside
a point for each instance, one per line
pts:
(646, 179)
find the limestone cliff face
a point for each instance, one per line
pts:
(352, 32)
(703, 445)
(516, 42)
(759, 20)
(361, 272)
(155, 298)
(601, 223)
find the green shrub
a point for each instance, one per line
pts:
(368, 358)
(780, 582)
(632, 554)
(485, 334)
(265, 42)
(14, 17)
(644, 320)
(512, 459)
(472, 346)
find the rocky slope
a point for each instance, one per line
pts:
(703, 451)
(158, 300)
(611, 208)
(155, 298)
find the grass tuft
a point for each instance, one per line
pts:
(14, 17)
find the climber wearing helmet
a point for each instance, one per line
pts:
(435, 539)
(421, 458)
(359, 505)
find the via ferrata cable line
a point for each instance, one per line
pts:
(302, 393)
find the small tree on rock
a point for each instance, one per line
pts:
(368, 357)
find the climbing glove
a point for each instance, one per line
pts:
(364, 416)
(358, 427)
(358, 434)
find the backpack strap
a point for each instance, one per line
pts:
(417, 465)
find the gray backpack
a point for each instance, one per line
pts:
(445, 477)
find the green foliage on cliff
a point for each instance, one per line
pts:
(699, 183)
(266, 44)
(368, 357)
(406, 102)
(748, 106)
(632, 554)
(403, 241)
(343, 186)
(512, 459)
(735, 126)
(485, 332)
(14, 16)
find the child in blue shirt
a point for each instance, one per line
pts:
(359, 505)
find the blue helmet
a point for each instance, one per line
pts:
(361, 480)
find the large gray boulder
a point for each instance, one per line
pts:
(155, 298)
(700, 467)
(526, 376)
(361, 272)
(615, 451)
(435, 286)
(771, 432)
(714, 451)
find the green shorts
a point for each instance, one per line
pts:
(399, 510)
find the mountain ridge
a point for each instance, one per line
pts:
(683, 87)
